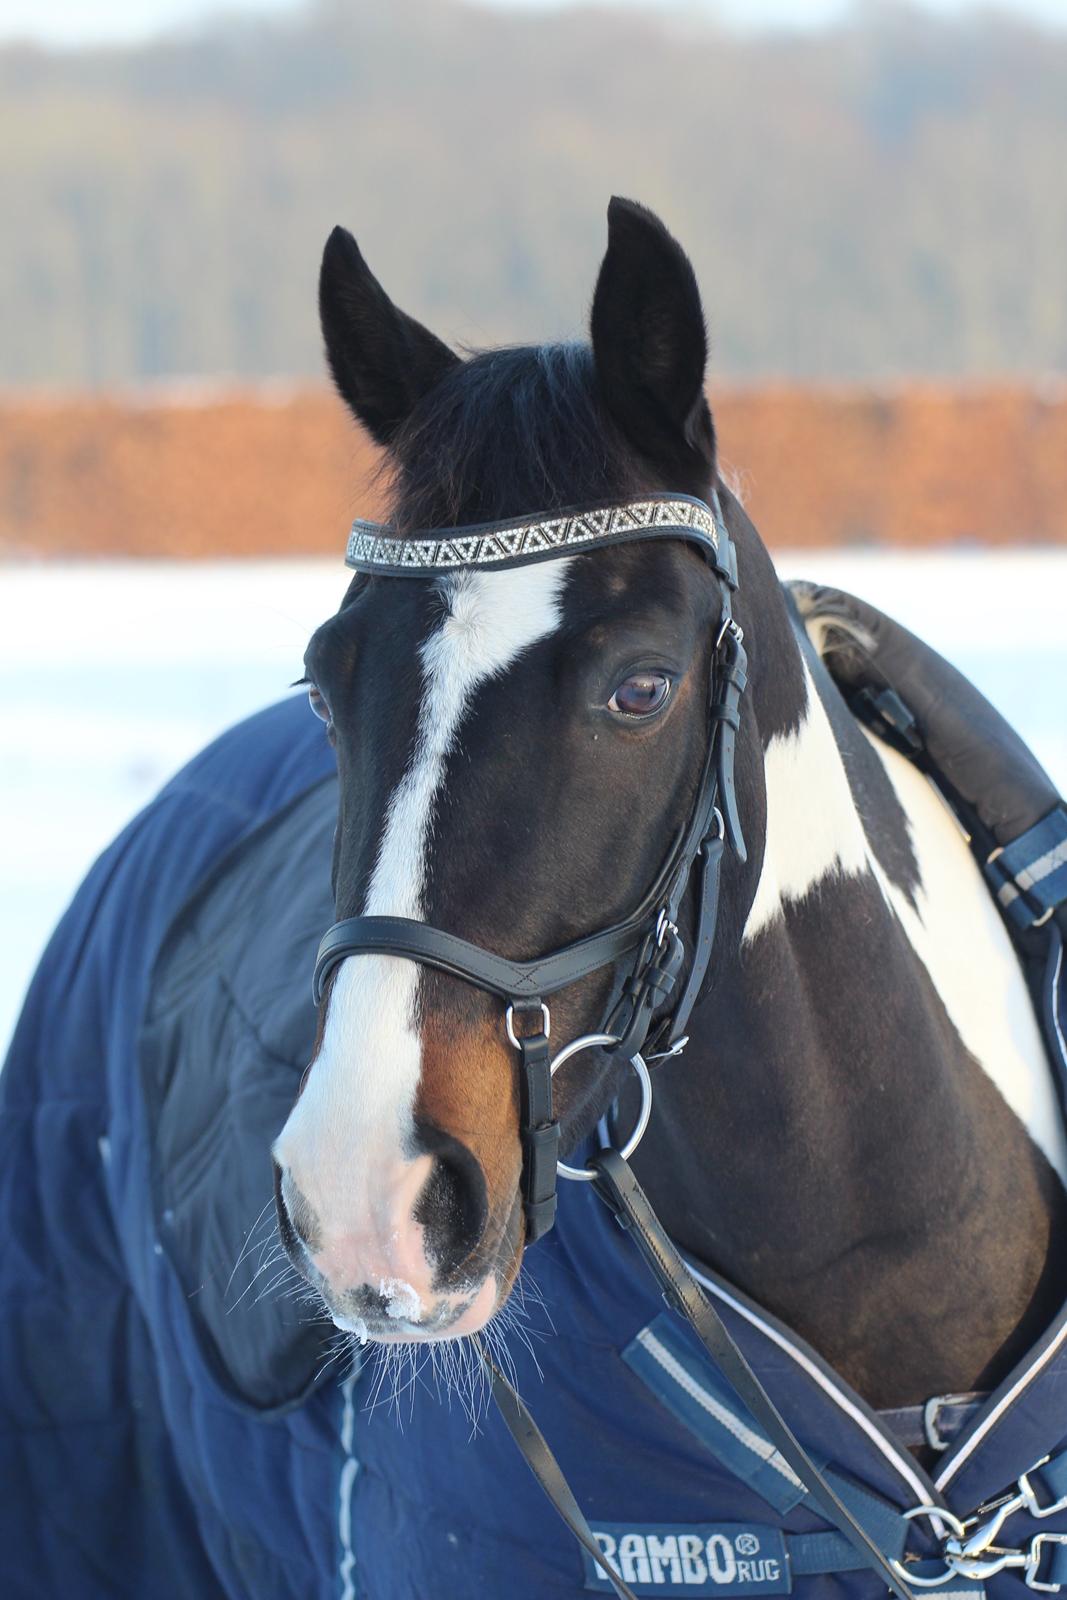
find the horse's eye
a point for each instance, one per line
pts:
(317, 702)
(641, 694)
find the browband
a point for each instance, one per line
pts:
(375, 547)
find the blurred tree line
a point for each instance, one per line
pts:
(887, 197)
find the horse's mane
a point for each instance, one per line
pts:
(507, 432)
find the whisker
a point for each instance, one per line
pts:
(246, 1247)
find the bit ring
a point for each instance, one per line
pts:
(587, 1041)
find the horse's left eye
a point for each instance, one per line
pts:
(317, 702)
(641, 694)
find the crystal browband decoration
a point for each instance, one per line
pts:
(373, 547)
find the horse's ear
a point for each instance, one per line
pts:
(650, 346)
(382, 360)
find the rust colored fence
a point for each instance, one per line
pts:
(274, 471)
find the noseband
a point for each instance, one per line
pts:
(647, 1012)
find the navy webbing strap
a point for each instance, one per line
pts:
(935, 1425)
(1029, 875)
(684, 1381)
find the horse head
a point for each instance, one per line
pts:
(515, 749)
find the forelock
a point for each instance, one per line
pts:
(509, 432)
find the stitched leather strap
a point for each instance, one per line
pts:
(540, 1130)
(401, 936)
(707, 918)
(733, 680)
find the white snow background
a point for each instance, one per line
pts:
(113, 674)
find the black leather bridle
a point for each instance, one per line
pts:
(647, 1012)
(646, 1008)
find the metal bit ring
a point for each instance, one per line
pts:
(587, 1041)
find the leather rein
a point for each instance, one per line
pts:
(649, 1012)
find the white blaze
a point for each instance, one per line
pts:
(346, 1136)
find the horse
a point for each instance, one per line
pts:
(590, 774)
(862, 1132)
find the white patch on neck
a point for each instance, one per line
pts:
(366, 1076)
(814, 833)
(958, 935)
(813, 829)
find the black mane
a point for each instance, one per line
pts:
(508, 432)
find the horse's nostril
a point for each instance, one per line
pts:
(453, 1207)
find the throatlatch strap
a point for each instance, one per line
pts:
(733, 680)
(707, 918)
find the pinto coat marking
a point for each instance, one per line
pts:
(814, 834)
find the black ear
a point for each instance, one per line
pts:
(382, 360)
(650, 346)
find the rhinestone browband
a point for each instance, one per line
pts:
(374, 547)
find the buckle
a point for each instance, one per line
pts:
(1033, 1560)
(1026, 1489)
(729, 626)
(509, 1022)
(931, 1411)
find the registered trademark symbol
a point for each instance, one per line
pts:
(746, 1544)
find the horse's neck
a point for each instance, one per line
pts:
(864, 1071)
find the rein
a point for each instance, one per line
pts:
(647, 1012)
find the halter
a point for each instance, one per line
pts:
(646, 1010)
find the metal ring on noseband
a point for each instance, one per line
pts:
(509, 1024)
(587, 1041)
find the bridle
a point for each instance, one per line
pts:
(647, 1013)
(646, 1010)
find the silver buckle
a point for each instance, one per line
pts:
(509, 1023)
(729, 626)
(930, 1413)
(1033, 1561)
(1030, 1499)
(675, 1050)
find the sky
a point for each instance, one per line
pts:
(74, 22)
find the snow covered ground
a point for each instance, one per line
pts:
(112, 675)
